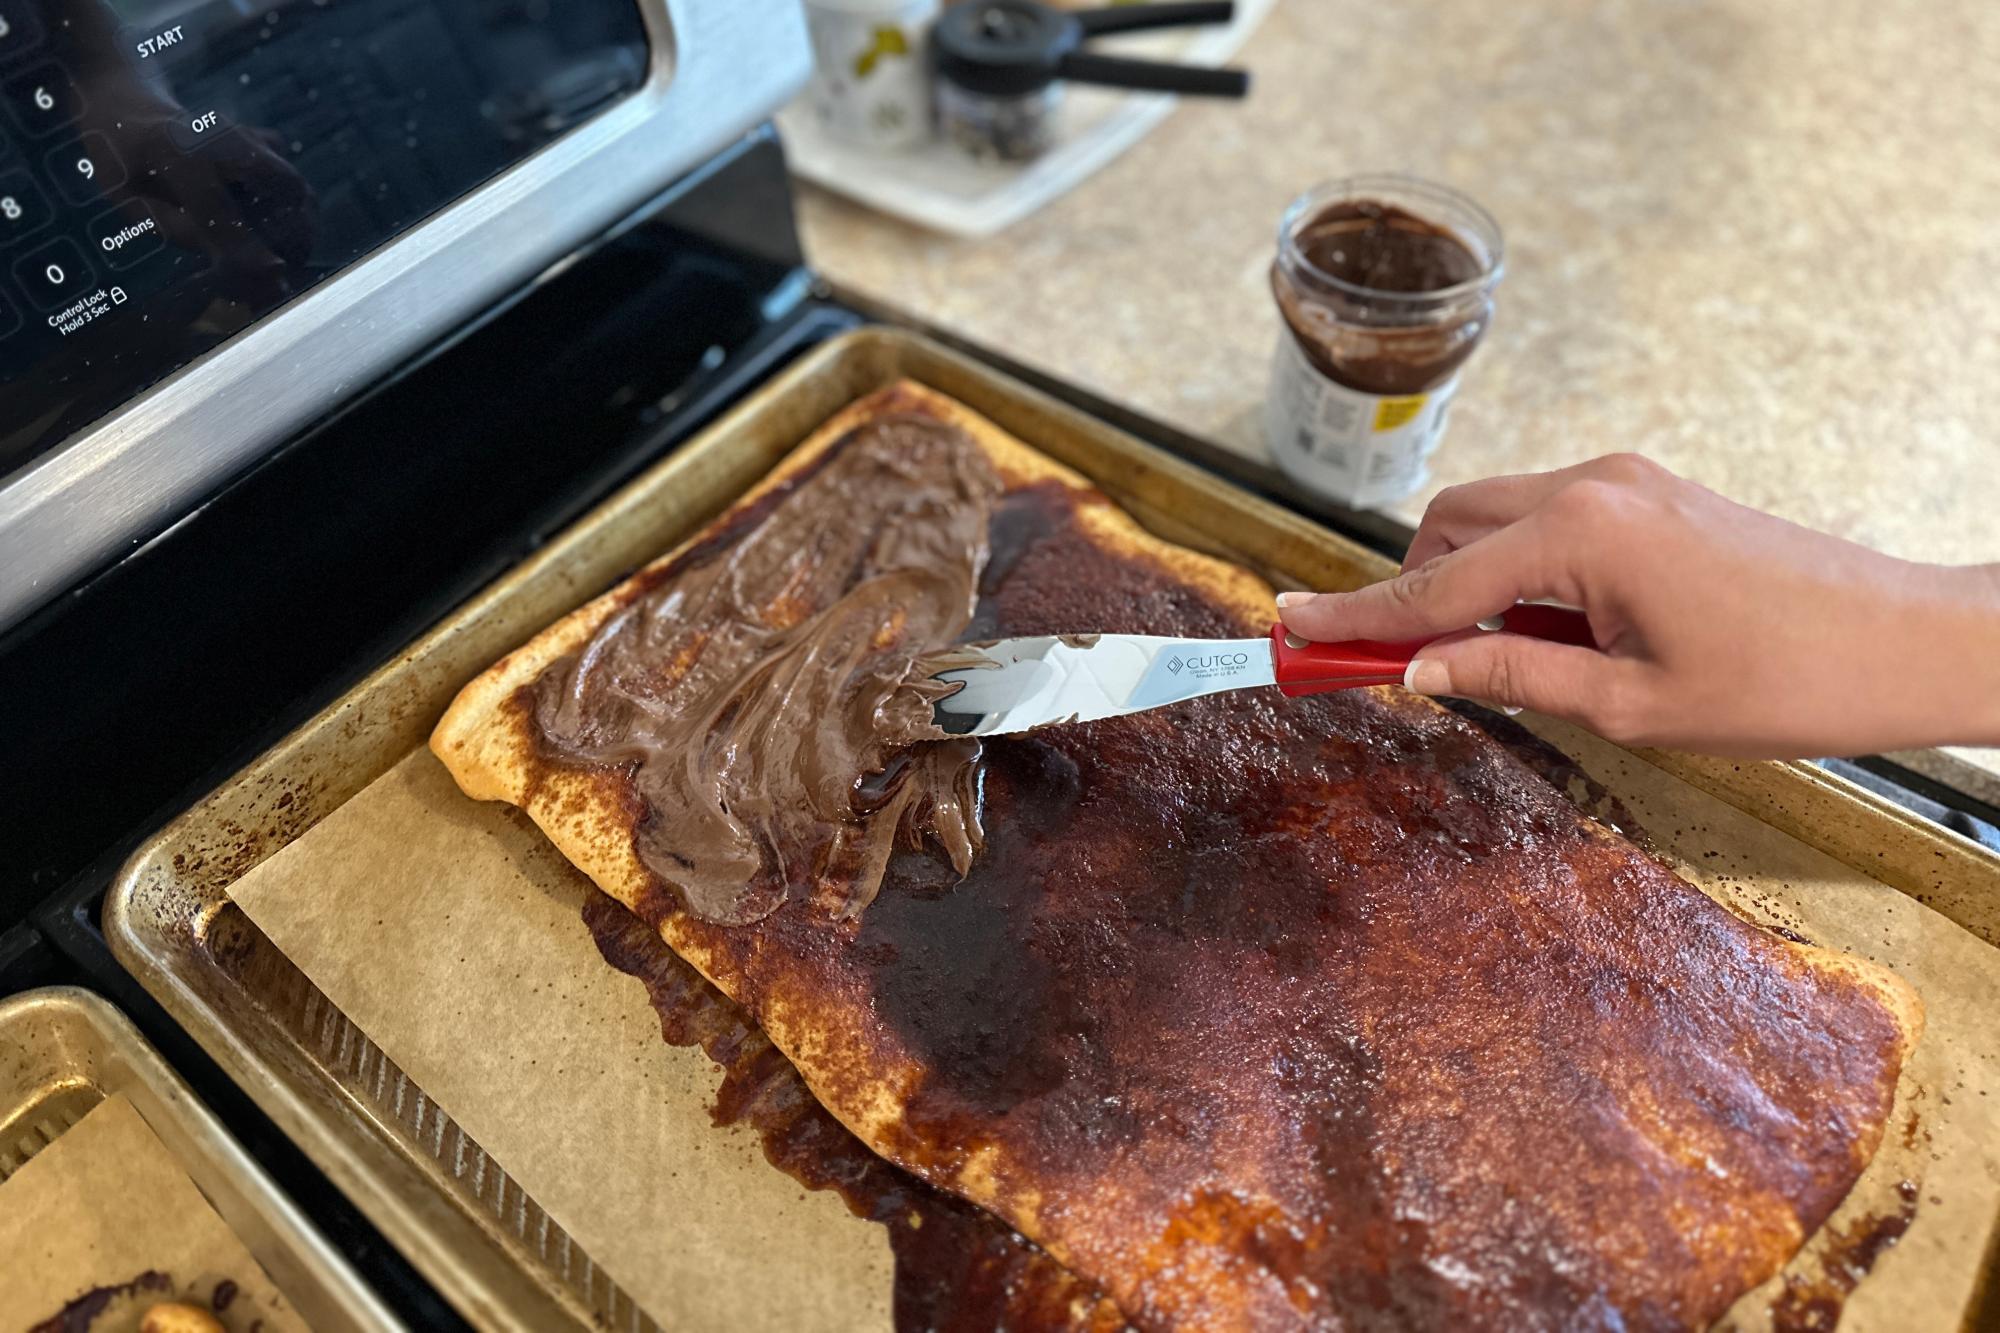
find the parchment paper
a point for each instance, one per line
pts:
(106, 1202)
(449, 930)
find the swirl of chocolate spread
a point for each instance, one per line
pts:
(760, 688)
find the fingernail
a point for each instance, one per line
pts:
(1427, 678)
(1511, 710)
(1286, 599)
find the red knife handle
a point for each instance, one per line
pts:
(1304, 667)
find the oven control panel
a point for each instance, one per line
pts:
(171, 172)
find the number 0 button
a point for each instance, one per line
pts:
(43, 99)
(86, 169)
(54, 274)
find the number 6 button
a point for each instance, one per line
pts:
(43, 99)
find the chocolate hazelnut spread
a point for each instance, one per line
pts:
(124, 1300)
(1386, 287)
(1378, 245)
(1382, 255)
(760, 688)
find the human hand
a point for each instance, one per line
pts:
(1719, 628)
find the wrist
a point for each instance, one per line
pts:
(1967, 647)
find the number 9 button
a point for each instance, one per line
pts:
(86, 169)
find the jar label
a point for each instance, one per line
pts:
(1361, 449)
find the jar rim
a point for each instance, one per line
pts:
(1473, 226)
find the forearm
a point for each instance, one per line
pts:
(1905, 656)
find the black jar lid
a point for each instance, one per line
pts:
(1004, 48)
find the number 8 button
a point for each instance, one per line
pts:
(22, 208)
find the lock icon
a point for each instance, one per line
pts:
(118, 296)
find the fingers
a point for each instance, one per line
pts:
(1601, 692)
(1452, 592)
(1461, 515)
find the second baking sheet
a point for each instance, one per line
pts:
(106, 1206)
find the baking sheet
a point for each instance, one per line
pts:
(106, 1202)
(433, 1189)
(422, 914)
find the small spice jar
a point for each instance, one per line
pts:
(1386, 286)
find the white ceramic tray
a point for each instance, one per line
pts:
(937, 186)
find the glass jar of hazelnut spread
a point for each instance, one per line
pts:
(1386, 285)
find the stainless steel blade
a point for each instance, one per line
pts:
(1019, 684)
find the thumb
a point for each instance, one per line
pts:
(1516, 672)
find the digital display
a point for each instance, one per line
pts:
(172, 172)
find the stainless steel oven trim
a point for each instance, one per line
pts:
(717, 68)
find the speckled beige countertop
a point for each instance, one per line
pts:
(1756, 239)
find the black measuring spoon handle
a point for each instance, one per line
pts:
(1136, 18)
(1153, 75)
